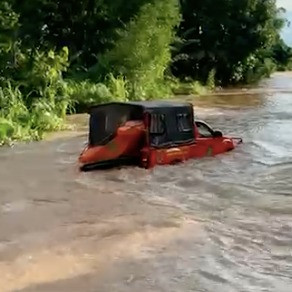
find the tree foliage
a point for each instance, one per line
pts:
(87, 27)
(227, 38)
(142, 52)
(224, 37)
(55, 54)
(281, 54)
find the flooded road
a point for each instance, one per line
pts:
(216, 224)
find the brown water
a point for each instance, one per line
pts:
(216, 224)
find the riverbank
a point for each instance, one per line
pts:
(210, 101)
(22, 119)
(76, 124)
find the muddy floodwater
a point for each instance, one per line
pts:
(209, 225)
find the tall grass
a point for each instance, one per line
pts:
(19, 121)
(37, 102)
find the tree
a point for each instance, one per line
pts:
(8, 42)
(86, 27)
(142, 53)
(282, 55)
(223, 36)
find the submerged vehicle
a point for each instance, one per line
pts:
(149, 134)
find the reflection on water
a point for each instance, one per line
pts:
(215, 224)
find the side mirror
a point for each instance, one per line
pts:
(217, 134)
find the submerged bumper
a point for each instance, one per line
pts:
(236, 141)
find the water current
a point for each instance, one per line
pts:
(215, 224)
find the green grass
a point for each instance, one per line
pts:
(24, 121)
(19, 121)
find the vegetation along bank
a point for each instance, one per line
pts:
(58, 57)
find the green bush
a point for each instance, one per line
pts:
(142, 53)
(86, 93)
(37, 102)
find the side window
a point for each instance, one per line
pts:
(184, 122)
(204, 130)
(157, 124)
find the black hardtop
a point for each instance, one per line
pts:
(161, 104)
(170, 122)
(145, 105)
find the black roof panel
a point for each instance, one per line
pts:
(106, 118)
(160, 104)
(148, 104)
